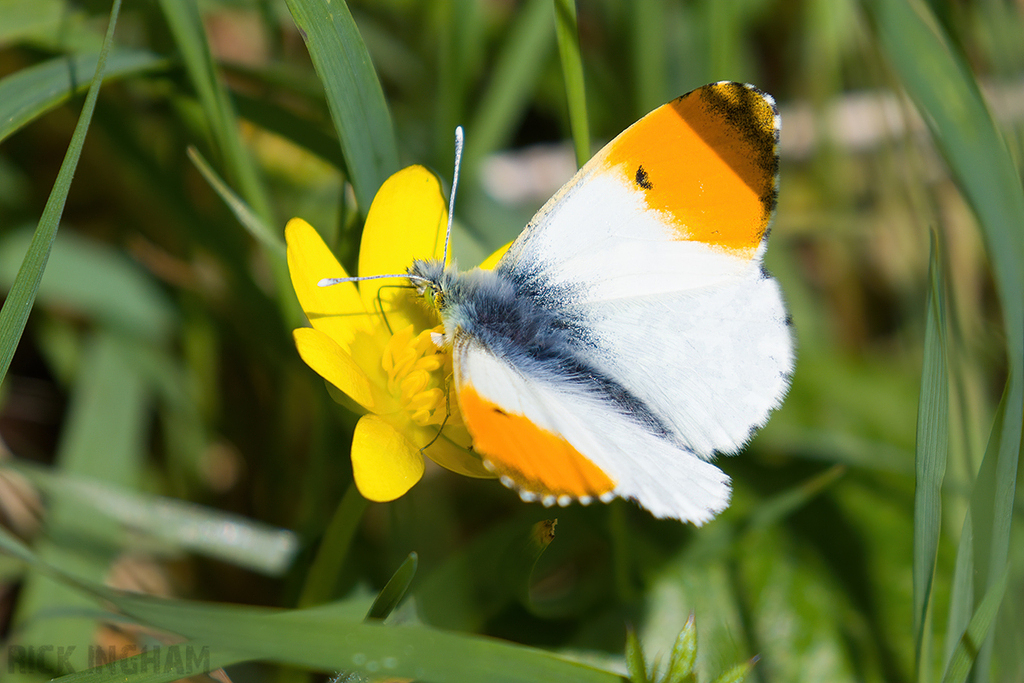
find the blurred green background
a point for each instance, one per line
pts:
(157, 362)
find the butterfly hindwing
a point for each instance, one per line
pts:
(553, 423)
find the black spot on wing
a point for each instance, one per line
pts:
(642, 179)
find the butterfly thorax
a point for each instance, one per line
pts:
(458, 297)
(529, 323)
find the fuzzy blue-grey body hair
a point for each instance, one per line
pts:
(526, 321)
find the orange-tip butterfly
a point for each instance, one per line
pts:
(631, 332)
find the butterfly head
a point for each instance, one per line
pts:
(432, 280)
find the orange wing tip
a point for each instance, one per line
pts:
(540, 464)
(707, 162)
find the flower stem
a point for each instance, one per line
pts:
(330, 556)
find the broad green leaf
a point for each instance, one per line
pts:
(572, 70)
(22, 295)
(28, 94)
(354, 94)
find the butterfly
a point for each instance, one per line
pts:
(631, 332)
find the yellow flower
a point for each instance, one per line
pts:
(371, 340)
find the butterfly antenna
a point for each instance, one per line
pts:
(328, 281)
(459, 139)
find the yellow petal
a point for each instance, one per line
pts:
(406, 221)
(332, 363)
(493, 259)
(385, 464)
(336, 310)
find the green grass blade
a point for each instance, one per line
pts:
(245, 215)
(182, 525)
(19, 300)
(635, 663)
(187, 27)
(486, 576)
(95, 281)
(684, 654)
(572, 69)
(395, 589)
(147, 669)
(518, 68)
(312, 137)
(950, 101)
(931, 451)
(330, 638)
(737, 673)
(354, 93)
(961, 598)
(777, 508)
(104, 438)
(992, 504)
(11, 546)
(28, 94)
(23, 18)
(649, 55)
(461, 38)
(977, 632)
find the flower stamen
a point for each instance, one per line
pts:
(414, 368)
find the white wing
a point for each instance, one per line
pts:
(663, 477)
(669, 343)
(664, 266)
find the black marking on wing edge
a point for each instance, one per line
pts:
(642, 179)
(753, 114)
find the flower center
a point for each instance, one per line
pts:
(416, 378)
